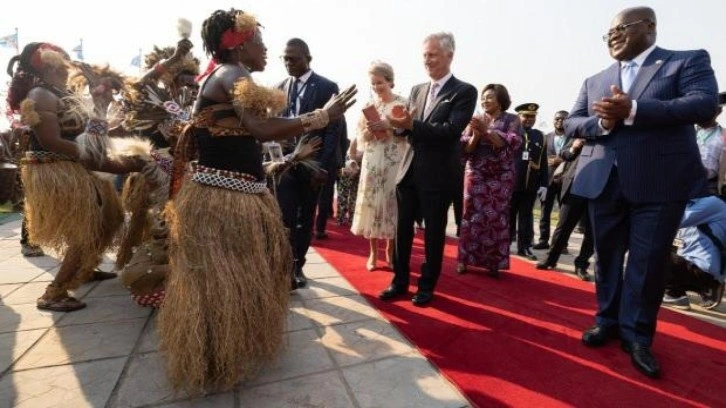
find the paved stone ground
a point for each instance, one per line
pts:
(340, 351)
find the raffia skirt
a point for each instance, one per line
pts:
(68, 208)
(227, 291)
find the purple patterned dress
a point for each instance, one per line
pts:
(488, 182)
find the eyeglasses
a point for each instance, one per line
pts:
(622, 28)
(286, 58)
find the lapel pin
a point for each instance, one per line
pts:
(658, 62)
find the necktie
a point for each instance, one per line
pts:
(627, 75)
(432, 96)
(294, 96)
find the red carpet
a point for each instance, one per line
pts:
(516, 341)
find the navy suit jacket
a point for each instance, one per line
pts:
(433, 152)
(657, 157)
(317, 93)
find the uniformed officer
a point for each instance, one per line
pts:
(531, 179)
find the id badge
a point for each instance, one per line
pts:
(525, 155)
(275, 151)
(678, 243)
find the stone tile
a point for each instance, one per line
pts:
(25, 317)
(313, 257)
(80, 385)
(47, 276)
(7, 289)
(150, 337)
(41, 262)
(225, 400)
(14, 344)
(354, 343)
(406, 381)
(321, 390)
(297, 318)
(320, 271)
(73, 344)
(329, 287)
(340, 309)
(110, 287)
(11, 274)
(106, 310)
(303, 354)
(145, 383)
(30, 292)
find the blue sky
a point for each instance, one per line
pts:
(540, 50)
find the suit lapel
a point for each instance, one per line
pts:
(443, 94)
(420, 102)
(645, 74)
(611, 76)
(309, 95)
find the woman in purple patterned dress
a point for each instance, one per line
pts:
(488, 146)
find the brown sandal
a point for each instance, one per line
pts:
(64, 304)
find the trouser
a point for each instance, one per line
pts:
(683, 276)
(521, 221)
(544, 220)
(572, 210)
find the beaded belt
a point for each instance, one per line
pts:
(165, 162)
(40, 156)
(231, 180)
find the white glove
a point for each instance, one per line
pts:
(542, 193)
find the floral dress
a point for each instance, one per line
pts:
(376, 211)
(488, 183)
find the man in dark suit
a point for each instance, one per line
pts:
(327, 192)
(638, 168)
(573, 209)
(439, 111)
(299, 187)
(554, 141)
(530, 180)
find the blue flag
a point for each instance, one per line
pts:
(9, 41)
(79, 51)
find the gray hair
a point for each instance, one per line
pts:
(445, 40)
(382, 69)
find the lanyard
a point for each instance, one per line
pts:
(295, 97)
(703, 139)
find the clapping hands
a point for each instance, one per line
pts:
(612, 109)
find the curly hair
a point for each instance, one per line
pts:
(501, 93)
(23, 76)
(213, 28)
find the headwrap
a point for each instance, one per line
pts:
(244, 30)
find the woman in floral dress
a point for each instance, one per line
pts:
(375, 210)
(488, 143)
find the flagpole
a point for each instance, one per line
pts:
(139, 60)
(17, 42)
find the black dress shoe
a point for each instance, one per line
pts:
(321, 235)
(391, 292)
(597, 336)
(582, 273)
(642, 358)
(545, 265)
(422, 298)
(494, 273)
(541, 245)
(300, 279)
(527, 253)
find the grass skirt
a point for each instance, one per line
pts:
(68, 207)
(228, 287)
